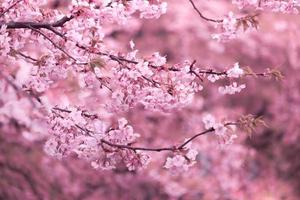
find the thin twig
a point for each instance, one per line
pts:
(171, 148)
(202, 16)
(247, 17)
(193, 72)
(54, 44)
(25, 56)
(120, 146)
(134, 148)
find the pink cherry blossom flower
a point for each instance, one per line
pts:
(235, 72)
(231, 89)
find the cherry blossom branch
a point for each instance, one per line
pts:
(39, 25)
(84, 113)
(50, 26)
(122, 146)
(170, 148)
(245, 18)
(249, 123)
(225, 73)
(204, 132)
(120, 59)
(35, 26)
(193, 72)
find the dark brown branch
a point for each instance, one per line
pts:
(62, 21)
(194, 137)
(193, 72)
(37, 25)
(120, 146)
(172, 148)
(209, 71)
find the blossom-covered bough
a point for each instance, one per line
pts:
(149, 82)
(66, 80)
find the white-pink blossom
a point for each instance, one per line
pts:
(209, 121)
(232, 88)
(235, 72)
(213, 77)
(220, 129)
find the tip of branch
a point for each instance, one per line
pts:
(250, 123)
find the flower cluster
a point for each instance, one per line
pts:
(73, 131)
(226, 134)
(235, 72)
(210, 122)
(245, 3)
(214, 77)
(152, 11)
(219, 128)
(231, 89)
(229, 28)
(154, 87)
(119, 12)
(113, 155)
(288, 6)
(183, 161)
